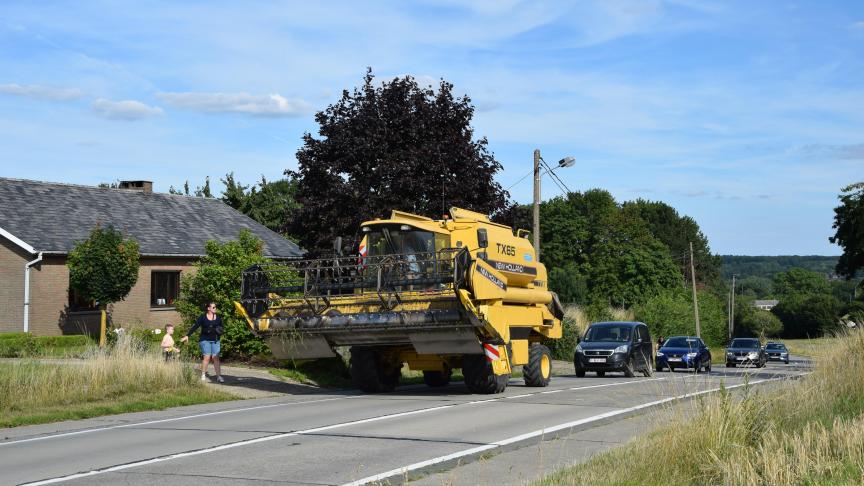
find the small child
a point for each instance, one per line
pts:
(168, 348)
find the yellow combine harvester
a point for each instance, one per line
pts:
(438, 295)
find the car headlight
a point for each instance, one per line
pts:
(579, 348)
(753, 355)
(621, 349)
(691, 355)
(783, 354)
(660, 353)
(730, 354)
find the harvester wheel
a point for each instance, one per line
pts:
(437, 378)
(370, 372)
(538, 371)
(479, 377)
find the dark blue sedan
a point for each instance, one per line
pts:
(683, 352)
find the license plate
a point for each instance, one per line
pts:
(597, 360)
(674, 360)
(740, 358)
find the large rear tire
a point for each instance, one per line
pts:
(370, 373)
(538, 371)
(437, 378)
(479, 377)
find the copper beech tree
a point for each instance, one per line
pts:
(384, 146)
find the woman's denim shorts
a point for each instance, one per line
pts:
(209, 347)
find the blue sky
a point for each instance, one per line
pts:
(747, 116)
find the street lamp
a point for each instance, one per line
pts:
(565, 162)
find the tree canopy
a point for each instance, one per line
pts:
(393, 145)
(104, 267)
(677, 232)
(268, 202)
(597, 252)
(849, 226)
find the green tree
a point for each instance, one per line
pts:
(104, 267)
(806, 316)
(390, 146)
(757, 287)
(217, 278)
(670, 313)
(751, 321)
(849, 226)
(608, 252)
(269, 203)
(798, 281)
(677, 232)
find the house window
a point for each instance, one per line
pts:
(77, 303)
(164, 288)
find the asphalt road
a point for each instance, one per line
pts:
(342, 438)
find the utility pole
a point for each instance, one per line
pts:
(537, 204)
(732, 309)
(695, 301)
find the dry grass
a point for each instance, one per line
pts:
(127, 377)
(810, 431)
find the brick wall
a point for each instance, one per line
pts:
(12, 260)
(50, 313)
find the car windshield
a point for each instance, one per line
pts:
(744, 343)
(775, 346)
(681, 342)
(608, 333)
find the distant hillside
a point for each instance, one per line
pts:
(767, 266)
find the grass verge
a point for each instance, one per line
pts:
(125, 378)
(810, 431)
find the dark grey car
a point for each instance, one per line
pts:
(745, 351)
(615, 346)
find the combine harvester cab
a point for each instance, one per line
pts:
(438, 295)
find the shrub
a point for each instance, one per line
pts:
(22, 345)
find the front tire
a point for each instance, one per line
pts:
(479, 376)
(580, 373)
(601, 374)
(648, 372)
(730, 365)
(538, 371)
(628, 369)
(708, 367)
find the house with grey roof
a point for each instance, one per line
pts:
(765, 304)
(40, 222)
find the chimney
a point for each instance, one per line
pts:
(144, 186)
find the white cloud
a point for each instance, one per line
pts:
(273, 105)
(35, 91)
(129, 110)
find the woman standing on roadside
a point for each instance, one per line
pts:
(211, 330)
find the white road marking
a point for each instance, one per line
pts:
(540, 432)
(292, 434)
(173, 419)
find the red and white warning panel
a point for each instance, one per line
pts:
(491, 351)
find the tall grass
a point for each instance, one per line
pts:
(809, 431)
(125, 377)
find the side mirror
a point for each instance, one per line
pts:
(522, 233)
(578, 339)
(482, 238)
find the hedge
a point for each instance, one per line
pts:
(19, 344)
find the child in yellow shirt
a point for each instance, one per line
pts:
(168, 348)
